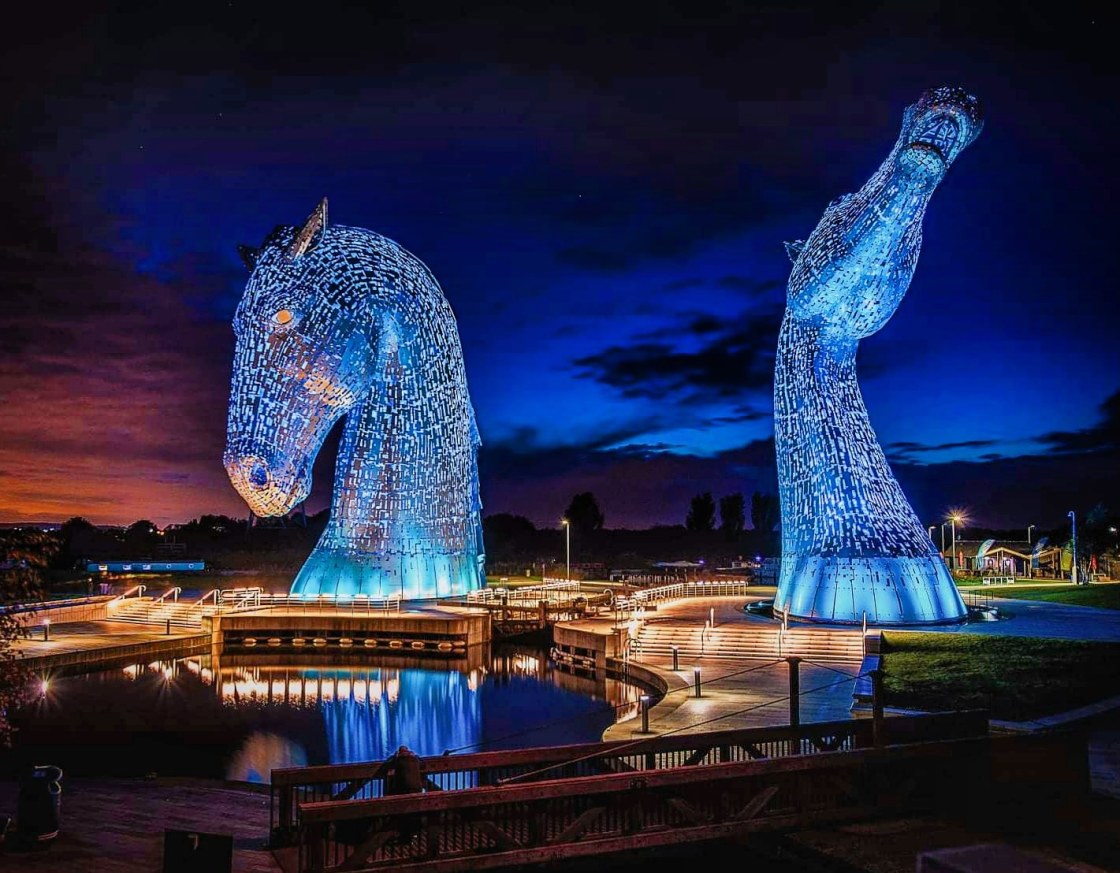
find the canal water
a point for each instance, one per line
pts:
(240, 718)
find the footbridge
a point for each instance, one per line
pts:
(492, 810)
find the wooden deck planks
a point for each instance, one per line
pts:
(117, 825)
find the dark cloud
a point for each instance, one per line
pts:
(742, 414)
(905, 451)
(1105, 435)
(735, 360)
(750, 284)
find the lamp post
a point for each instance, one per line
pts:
(1073, 563)
(953, 519)
(942, 539)
(567, 549)
(1030, 527)
(931, 527)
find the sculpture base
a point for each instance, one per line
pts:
(340, 572)
(880, 590)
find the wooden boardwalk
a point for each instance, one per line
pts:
(88, 644)
(117, 825)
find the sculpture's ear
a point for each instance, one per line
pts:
(794, 248)
(305, 236)
(249, 256)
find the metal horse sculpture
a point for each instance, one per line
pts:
(852, 547)
(339, 321)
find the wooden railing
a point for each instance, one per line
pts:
(294, 788)
(519, 823)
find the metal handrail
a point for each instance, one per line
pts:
(355, 601)
(170, 591)
(213, 593)
(140, 589)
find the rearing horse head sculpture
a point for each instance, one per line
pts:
(852, 548)
(339, 321)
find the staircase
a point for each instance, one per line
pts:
(750, 642)
(144, 610)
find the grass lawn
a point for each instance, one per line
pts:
(1015, 678)
(1100, 594)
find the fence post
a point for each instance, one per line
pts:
(696, 680)
(877, 706)
(676, 659)
(794, 690)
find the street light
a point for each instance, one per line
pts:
(1073, 563)
(931, 527)
(943, 539)
(955, 517)
(1030, 527)
(567, 548)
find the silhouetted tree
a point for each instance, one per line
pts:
(20, 583)
(731, 515)
(765, 512)
(140, 536)
(701, 513)
(584, 514)
(506, 526)
(80, 540)
(1096, 537)
(506, 535)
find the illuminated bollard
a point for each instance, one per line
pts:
(676, 659)
(696, 680)
(46, 630)
(644, 700)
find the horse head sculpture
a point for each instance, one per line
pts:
(852, 547)
(339, 321)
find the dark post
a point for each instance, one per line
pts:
(877, 706)
(46, 630)
(696, 680)
(794, 690)
(168, 631)
(645, 713)
(676, 659)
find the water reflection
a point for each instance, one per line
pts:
(239, 719)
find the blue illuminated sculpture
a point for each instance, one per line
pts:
(852, 547)
(340, 321)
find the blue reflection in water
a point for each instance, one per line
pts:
(430, 712)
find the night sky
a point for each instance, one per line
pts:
(602, 190)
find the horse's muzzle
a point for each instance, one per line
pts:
(269, 488)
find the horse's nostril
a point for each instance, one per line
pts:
(258, 476)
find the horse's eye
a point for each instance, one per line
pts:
(282, 316)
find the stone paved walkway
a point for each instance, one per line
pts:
(736, 694)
